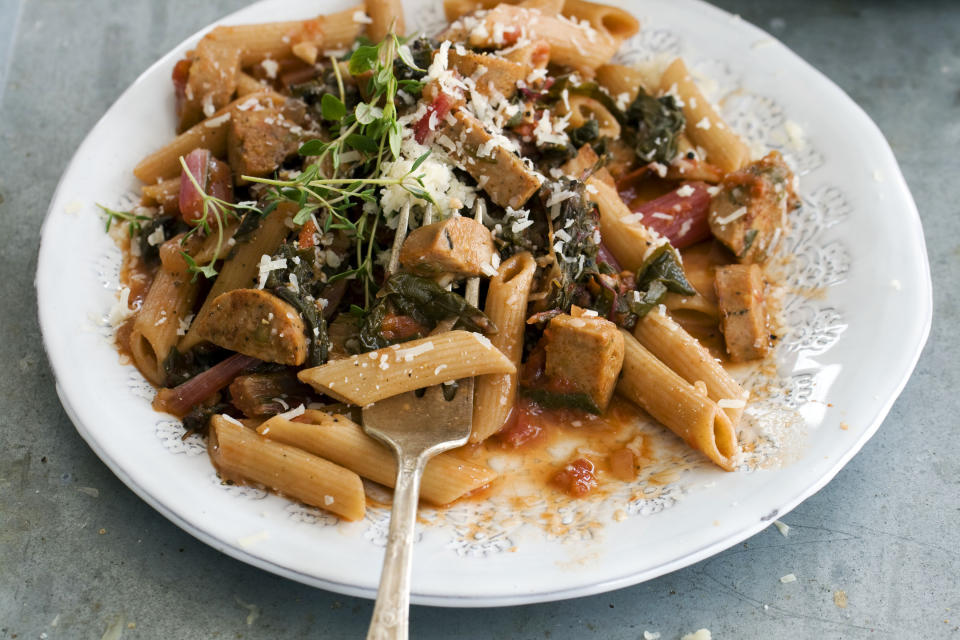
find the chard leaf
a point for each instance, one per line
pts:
(657, 123)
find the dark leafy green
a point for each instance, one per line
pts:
(656, 124)
(423, 300)
(302, 297)
(566, 400)
(663, 266)
(585, 134)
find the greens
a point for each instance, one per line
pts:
(328, 191)
(423, 300)
(657, 122)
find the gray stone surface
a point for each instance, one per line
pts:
(75, 563)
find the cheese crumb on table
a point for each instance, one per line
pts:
(788, 578)
(699, 634)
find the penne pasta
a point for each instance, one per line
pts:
(704, 125)
(241, 454)
(342, 441)
(676, 404)
(628, 240)
(583, 108)
(680, 351)
(613, 21)
(574, 44)
(169, 301)
(622, 80)
(384, 15)
(366, 378)
(495, 395)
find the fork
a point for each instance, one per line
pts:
(416, 428)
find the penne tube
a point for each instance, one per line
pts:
(168, 302)
(683, 353)
(676, 403)
(614, 21)
(622, 80)
(454, 9)
(628, 240)
(247, 84)
(368, 377)
(495, 395)
(281, 39)
(340, 440)
(583, 108)
(164, 194)
(546, 7)
(341, 29)
(241, 454)
(573, 44)
(211, 134)
(694, 304)
(239, 270)
(384, 15)
(704, 125)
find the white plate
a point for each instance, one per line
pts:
(857, 241)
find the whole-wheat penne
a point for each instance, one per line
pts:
(628, 240)
(247, 84)
(164, 194)
(494, 395)
(239, 270)
(340, 440)
(211, 134)
(242, 454)
(676, 403)
(575, 44)
(696, 303)
(384, 15)
(383, 373)
(546, 7)
(155, 330)
(583, 108)
(623, 80)
(705, 127)
(683, 353)
(614, 21)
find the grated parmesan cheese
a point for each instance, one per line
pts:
(739, 213)
(293, 413)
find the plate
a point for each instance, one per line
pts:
(858, 310)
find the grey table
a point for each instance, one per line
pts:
(78, 563)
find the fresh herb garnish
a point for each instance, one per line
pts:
(372, 129)
(220, 211)
(133, 219)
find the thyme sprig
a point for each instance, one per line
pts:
(133, 219)
(220, 211)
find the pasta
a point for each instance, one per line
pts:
(347, 214)
(340, 440)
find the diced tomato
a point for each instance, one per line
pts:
(307, 238)
(441, 107)
(399, 327)
(522, 426)
(577, 478)
(212, 176)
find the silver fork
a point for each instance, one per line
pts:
(416, 428)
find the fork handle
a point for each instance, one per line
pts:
(391, 611)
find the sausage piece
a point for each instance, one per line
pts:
(457, 245)
(255, 323)
(743, 311)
